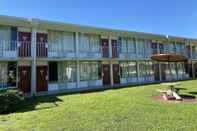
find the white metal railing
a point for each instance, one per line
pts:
(41, 49)
(57, 50)
(24, 48)
(8, 48)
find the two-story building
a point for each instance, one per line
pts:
(43, 56)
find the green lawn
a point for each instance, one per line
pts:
(110, 110)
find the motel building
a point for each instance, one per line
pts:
(39, 56)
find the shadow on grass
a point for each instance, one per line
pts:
(45, 102)
(193, 92)
(185, 96)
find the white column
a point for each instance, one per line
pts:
(191, 51)
(78, 74)
(111, 73)
(77, 60)
(33, 63)
(136, 45)
(138, 70)
(110, 47)
(77, 44)
(160, 77)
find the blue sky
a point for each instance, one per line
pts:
(170, 17)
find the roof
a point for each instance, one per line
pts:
(53, 25)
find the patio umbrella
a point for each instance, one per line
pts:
(169, 58)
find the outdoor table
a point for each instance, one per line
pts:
(170, 91)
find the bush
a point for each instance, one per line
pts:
(10, 101)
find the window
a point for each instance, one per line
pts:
(3, 74)
(141, 47)
(149, 68)
(70, 72)
(5, 37)
(53, 72)
(128, 45)
(142, 69)
(131, 46)
(124, 46)
(89, 43)
(132, 69)
(124, 69)
(94, 43)
(90, 71)
(84, 71)
(68, 42)
(61, 41)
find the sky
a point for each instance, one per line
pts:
(168, 17)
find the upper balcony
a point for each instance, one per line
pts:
(15, 49)
(160, 48)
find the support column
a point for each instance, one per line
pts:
(138, 70)
(78, 74)
(110, 47)
(111, 73)
(136, 49)
(76, 44)
(192, 65)
(160, 77)
(191, 51)
(33, 62)
(77, 60)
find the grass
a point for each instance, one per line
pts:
(110, 110)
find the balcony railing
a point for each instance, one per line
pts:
(56, 50)
(14, 49)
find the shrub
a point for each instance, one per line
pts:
(10, 101)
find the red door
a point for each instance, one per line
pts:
(42, 78)
(116, 73)
(41, 46)
(106, 74)
(114, 48)
(24, 76)
(25, 44)
(105, 47)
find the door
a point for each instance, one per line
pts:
(105, 47)
(114, 48)
(106, 74)
(116, 73)
(24, 44)
(156, 71)
(24, 78)
(41, 45)
(42, 78)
